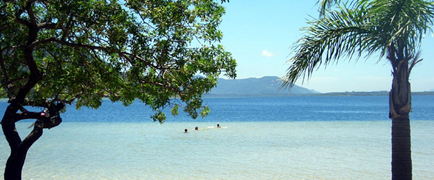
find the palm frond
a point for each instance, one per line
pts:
(403, 22)
(337, 34)
(363, 26)
(416, 59)
(326, 5)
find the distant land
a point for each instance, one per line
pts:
(265, 86)
(371, 93)
(269, 86)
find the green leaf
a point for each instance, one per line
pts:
(174, 110)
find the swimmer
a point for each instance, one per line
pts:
(218, 126)
(185, 131)
(196, 128)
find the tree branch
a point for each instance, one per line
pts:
(79, 45)
(3, 67)
(68, 24)
(32, 137)
(47, 25)
(126, 54)
(17, 20)
(27, 115)
(47, 40)
(29, 10)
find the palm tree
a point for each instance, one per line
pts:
(389, 28)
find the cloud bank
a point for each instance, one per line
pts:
(265, 53)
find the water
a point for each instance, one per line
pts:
(262, 138)
(260, 109)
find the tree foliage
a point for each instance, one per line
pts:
(163, 52)
(166, 53)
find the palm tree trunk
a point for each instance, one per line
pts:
(400, 107)
(401, 149)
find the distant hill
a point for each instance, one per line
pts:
(265, 86)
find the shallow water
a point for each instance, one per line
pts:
(243, 150)
(261, 138)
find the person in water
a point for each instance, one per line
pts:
(218, 126)
(185, 131)
(196, 128)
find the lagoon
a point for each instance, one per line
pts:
(262, 138)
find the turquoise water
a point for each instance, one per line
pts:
(112, 148)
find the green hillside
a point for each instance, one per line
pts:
(265, 86)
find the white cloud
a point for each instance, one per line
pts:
(267, 54)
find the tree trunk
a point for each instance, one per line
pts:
(19, 149)
(400, 107)
(401, 149)
(14, 166)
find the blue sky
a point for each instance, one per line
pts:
(260, 33)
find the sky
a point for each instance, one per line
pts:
(260, 34)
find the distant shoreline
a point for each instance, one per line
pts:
(353, 93)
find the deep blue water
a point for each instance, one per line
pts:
(259, 109)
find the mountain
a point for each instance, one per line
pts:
(265, 86)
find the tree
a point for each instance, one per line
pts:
(165, 53)
(391, 28)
